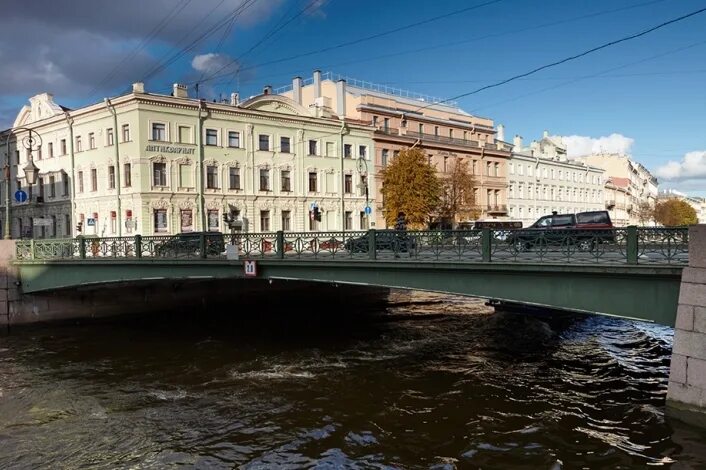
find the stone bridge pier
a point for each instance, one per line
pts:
(686, 396)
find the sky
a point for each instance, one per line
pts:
(645, 97)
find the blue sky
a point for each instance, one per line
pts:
(646, 96)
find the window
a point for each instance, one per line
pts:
(286, 180)
(446, 164)
(264, 179)
(264, 221)
(212, 177)
(127, 171)
(363, 220)
(312, 147)
(187, 220)
(421, 128)
(465, 135)
(234, 139)
(284, 145)
(62, 143)
(78, 143)
(436, 130)
(312, 181)
(39, 152)
(497, 169)
(529, 170)
(286, 220)
(159, 174)
(375, 121)
(386, 124)
(213, 220)
(488, 167)
(349, 220)
(65, 179)
(126, 132)
(111, 177)
(383, 157)
(264, 142)
(348, 184)
(160, 220)
(451, 133)
(233, 178)
(94, 179)
(348, 151)
(211, 137)
(67, 225)
(40, 184)
(159, 131)
(80, 181)
(51, 149)
(395, 154)
(109, 136)
(362, 151)
(91, 140)
(512, 169)
(113, 221)
(329, 149)
(363, 186)
(185, 176)
(185, 134)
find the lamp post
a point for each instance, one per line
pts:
(32, 141)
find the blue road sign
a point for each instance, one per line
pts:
(20, 196)
(368, 210)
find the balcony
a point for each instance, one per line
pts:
(388, 130)
(445, 140)
(496, 209)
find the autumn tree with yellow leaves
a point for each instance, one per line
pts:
(675, 212)
(410, 185)
(457, 195)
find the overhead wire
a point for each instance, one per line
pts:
(570, 58)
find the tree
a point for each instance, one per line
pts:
(644, 212)
(410, 185)
(673, 212)
(457, 195)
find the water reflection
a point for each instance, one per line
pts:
(437, 382)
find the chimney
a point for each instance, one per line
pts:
(317, 84)
(501, 133)
(517, 143)
(138, 87)
(545, 135)
(267, 90)
(297, 89)
(341, 98)
(234, 99)
(180, 91)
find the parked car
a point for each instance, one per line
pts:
(583, 229)
(392, 240)
(188, 244)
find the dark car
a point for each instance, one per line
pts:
(391, 240)
(585, 230)
(188, 245)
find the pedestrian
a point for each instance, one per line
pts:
(401, 222)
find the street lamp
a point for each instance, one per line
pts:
(32, 141)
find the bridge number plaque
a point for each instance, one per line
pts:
(250, 268)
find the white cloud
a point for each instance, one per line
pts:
(211, 63)
(692, 166)
(579, 145)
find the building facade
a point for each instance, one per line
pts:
(149, 164)
(624, 172)
(404, 120)
(542, 180)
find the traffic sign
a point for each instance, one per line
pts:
(41, 222)
(91, 222)
(250, 268)
(20, 196)
(368, 210)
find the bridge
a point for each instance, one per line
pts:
(643, 273)
(632, 272)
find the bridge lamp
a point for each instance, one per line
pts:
(31, 171)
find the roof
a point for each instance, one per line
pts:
(619, 182)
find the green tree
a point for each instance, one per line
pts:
(457, 195)
(674, 212)
(410, 185)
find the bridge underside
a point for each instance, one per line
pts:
(638, 292)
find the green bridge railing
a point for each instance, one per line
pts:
(629, 245)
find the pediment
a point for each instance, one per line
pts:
(275, 104)
(40, 107)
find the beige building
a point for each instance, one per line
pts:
(542, 180)
(145, 163)
(625, 173)
(402, 120)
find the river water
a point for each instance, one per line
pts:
(433, 382)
